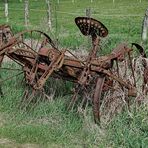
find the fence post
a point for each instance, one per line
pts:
(88, 12)
(145, 27)
(26, 12)
(6, 10)
(48, 14)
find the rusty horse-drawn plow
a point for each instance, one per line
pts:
(40, 59)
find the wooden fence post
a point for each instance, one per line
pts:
(26, 12)
(6, 11)
(48, 14)
(88, 12)
(145, 27)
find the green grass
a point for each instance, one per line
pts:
(49, 124)
(130, 130)
(46, 125)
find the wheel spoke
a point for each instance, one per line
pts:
(36, 47)
(12, 69)
(2, 81)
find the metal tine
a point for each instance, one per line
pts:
(84, 101)
(37, 99)
(25, 95)
(71, 105)
(74, 98)
(29, 99)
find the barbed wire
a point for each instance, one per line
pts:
(74, 13)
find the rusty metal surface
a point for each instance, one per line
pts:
(40, 59)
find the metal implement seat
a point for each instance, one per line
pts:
(90, 26)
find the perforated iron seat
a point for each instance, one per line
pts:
(90, 26)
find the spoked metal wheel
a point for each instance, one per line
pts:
(23, 50)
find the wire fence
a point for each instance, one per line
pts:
(74, 13)
(37, 10)
(123, 20)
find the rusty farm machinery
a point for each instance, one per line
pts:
(40, 59)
